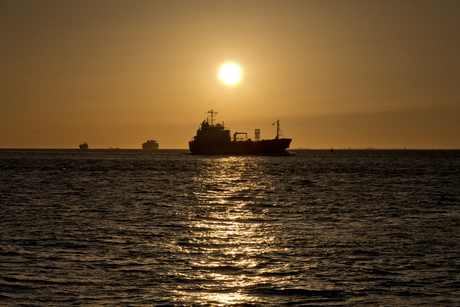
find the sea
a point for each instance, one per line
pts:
(167, 228)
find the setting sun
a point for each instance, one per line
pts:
(230, 73)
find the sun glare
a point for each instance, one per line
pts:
(230, 73)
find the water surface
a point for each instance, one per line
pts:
(165, 228)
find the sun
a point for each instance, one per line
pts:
(230, 73)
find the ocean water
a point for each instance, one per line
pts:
(165, 228)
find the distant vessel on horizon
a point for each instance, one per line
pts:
(213, 139)
(150, 145)
(84, 146)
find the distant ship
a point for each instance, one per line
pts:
(150, 144)
(83, 146)
(213, 139)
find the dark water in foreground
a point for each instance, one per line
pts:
(133, 228)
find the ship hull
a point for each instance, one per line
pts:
(263, 147)
(149, 146)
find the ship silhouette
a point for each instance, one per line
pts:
(150, 145)
(214, 139)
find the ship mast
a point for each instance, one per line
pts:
(212, 112)
(278, 130)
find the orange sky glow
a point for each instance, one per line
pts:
(342, 74)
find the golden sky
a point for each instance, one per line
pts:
(359, 74)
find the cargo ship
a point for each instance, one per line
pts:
(150, 145)
(83, 146)
(214, 139)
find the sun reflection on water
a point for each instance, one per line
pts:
(228, 232)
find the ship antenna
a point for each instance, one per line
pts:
(212, 112)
